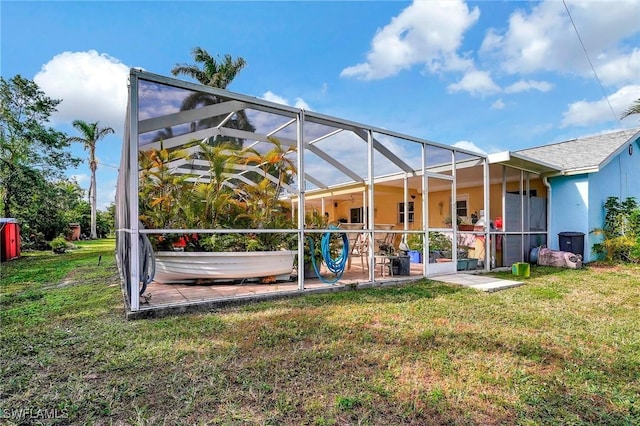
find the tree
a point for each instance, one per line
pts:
(633, 109)
(106, 220)
(45, 208)
(214, 73)
(27, 146)
(91, 134)
(76, 209)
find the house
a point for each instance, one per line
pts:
(388, 186)
(589, 170)
(562, 189)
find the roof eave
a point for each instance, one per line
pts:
(522, 162)
(620, 149)
(574, 172)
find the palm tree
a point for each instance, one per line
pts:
(214, 73)
(633, 109)
(91, 134)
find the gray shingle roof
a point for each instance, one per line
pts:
(587, 152)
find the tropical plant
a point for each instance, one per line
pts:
(91, 133)
(260, 192)
(439, 242)
(218, 206)
(633, 109)
(415, 242)
(447, 220)
(216, 197)
(621, 231)
(213, 73)
(314, 220)
(273, 167)
(163, 194)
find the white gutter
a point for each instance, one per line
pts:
(546, 183)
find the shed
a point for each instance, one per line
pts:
(9, 239)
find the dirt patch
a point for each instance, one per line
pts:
(67, 282)
(78, 276)
(601, 266)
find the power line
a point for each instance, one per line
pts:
(593, 69)
(108, 165)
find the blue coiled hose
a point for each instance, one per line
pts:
(335, 266)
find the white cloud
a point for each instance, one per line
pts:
(544, 39)
(92, 86)
(82, 179)
(426, 32)
(469, 146)
(585, 113)
(623, 69)
(272, 97)
(477, 83)
(525, 85)
(106, 193)
(498, 104)
(300, 103)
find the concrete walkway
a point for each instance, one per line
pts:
(479, 282)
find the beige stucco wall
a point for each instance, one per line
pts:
(388, 198)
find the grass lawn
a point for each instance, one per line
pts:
(563, 349)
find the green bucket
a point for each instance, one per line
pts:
(521, 269)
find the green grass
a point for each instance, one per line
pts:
(563, 349)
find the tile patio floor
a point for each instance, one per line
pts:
(165, 299)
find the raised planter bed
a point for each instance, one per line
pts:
(186, 267)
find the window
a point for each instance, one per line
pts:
(401, 212)
(461, 208)
(356, 215)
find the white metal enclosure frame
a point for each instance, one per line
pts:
(330, 155)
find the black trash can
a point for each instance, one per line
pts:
(572, 242)
(401, 265)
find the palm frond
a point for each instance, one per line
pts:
(633, 109)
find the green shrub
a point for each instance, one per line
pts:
(441, 243)
(35, 241)
(621, 231)
(59, 245)
(415, 242)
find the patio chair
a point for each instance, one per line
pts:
(383, 248)
(383, 239)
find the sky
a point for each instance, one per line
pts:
(488, 76)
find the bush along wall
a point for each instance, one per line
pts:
(621, 231)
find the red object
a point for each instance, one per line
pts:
(9, 239)
(498, 222)
(182, 241)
